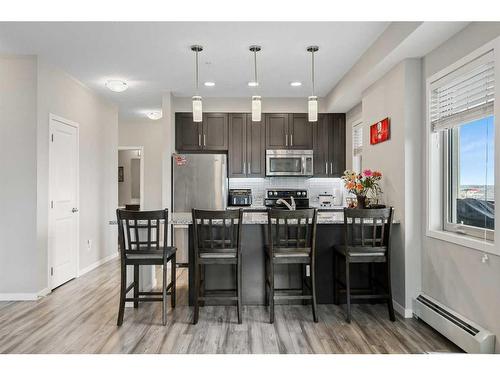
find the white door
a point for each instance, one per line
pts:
(63, 200)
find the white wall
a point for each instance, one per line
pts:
(60, 94)
(453, 274)
(19, 258)
(146, 133)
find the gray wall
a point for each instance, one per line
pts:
(62, 95)
(453, 274)
(397, 96)
(19, 258)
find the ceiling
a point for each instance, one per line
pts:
(154, 57)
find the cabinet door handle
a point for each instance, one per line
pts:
(249, 168)
(244, 167)
(204, 139)
(291, 139)
(326, 167)
(286, 139)
(199, 140)
(331, 168)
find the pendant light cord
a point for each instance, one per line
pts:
(255, 64)
(196, 74)
(312, 72)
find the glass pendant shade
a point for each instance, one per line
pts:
(312, 108)
(197, 109)
(256, 108)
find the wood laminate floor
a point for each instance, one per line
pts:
(80, 317)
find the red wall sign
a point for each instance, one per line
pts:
(379, 132)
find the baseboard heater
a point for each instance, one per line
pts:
(462, 332)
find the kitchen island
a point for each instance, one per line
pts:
(330, 232)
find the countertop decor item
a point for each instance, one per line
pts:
(362, 184)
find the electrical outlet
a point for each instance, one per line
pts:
(89, 244)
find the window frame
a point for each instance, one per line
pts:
(355, 125)
(434, 176)
(450, 186)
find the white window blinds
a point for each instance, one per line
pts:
(357, 140)
(463, 95)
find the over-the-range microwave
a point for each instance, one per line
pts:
(289, 162)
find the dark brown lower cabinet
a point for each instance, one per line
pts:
(246, 146)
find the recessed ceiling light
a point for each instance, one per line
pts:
(155, 115)
(116, 85)
(295, 84)
(210, 84)
(253, 84)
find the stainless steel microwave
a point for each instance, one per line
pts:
(289, 162)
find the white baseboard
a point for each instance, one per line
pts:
(18, 296)
(100, 262)
(405, 313)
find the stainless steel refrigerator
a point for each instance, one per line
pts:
(198, 181)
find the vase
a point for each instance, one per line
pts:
(361, 201)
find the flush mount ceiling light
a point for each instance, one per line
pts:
(312, 103)
(209, 84)
(256, 99)
(197, 103)
(154, 115)
(295, 84)
(116, 85)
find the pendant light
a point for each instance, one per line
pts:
(197, 103)
(312, 103)
(256, 99)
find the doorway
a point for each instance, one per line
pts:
(131, 177)
(63, 201)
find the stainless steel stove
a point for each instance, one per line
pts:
(300, 196)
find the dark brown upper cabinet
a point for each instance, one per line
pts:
(215, 126)
(276, 130)
(320, 146)
(209, 135)
(300, 132)
(288, 131)
(187, 133)
(329, 145)
(336, 147)
(246, 146)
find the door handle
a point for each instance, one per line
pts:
(331, 168)
(244, 167)
(286, 139)
(249, 168)
(291, 139)
(326, 167)
(199, 140)
(204, 139)
(74, 210)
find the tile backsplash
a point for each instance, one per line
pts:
(314, 186)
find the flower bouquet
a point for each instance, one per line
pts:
(362, 184)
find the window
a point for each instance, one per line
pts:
(462, 110)
(357, 147)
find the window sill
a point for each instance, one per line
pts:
(464, 240)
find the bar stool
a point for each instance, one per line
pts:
(367, 239)
(139, 238)
(217, 240)
(291, 240)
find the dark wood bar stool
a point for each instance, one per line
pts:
(142, 243)
(367, 239)
(217, 240)
(291, 240)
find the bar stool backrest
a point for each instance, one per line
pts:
(142, 230)
(368, 229)
(292, 230)
(217, 231)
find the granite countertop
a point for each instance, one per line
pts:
(259, 216)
